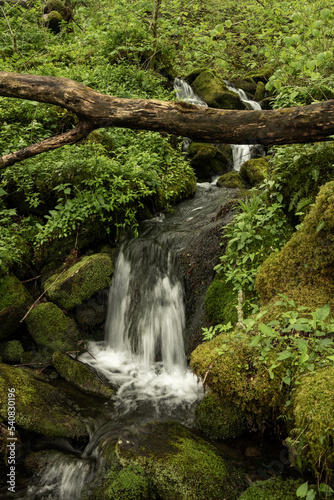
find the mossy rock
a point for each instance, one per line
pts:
(14, 303)
(260, 92)
(81, 281)
(131, 483)
(55, 6)
(53, 20)
(254, 171)
(51, 329)
(246, 86)
(207, 160)
(12, 351)
(180, 464)
(304, 269)
(80, 375)
(311, 440)
(275, 488)
(40, 408)
(220, 302)
(215, 92)
(219, 419)
(231, 180)
(261, 75)
(233, 373)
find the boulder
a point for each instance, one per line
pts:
(40, 408)
(12, 351)
(51, 329)
(304, 268)
(80, 375)
(179, 463)
(275, 488)
(81, 281)
(207, 160)
(232, 180)
(215, 93)
(219, 419)
(254, 171)
(14, 303)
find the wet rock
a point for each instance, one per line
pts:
(51, 329)
(231, 180)
(40, 408)
(215, 93)
(219, 419)
(179, 463)
(81, 281)
(254, 171)
(81, 375)
(207, 160)
(14, 303)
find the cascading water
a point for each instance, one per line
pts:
(241, 152)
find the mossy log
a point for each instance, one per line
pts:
(95, 110)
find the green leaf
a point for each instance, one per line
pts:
(302, 490)
(311, 494)
(2, 192)
(325, 13)
(266, 330)
(284, 355)
(302, 345)
(228, 23)
(321, 314)
(255, 341)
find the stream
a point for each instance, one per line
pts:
(143, 354)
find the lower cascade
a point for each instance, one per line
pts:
(143, 355)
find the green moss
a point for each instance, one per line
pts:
(51, 329)
(131, 483)
(14, 302)
(304, 269)
(81, 281)
(12, 351)
(260, 91)
(180, 464)
(231, 180)
(214, 91)
(55, 5)
(260, 76)
(53, 21)
(80, 375)
(207, 160)
(312, 438)
(40, 408)
(220, 302)
(102, 137)
(254, 171)
(233, 376)
(219, 419)
(275, 488)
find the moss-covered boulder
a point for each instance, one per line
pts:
(220, 302)
(180, 464)
(40, 408)
(231, 180)
(304, 269)
(130, 483)
(219, 419)
(232, 372)
(261, 75)
(53, 21)
(54, 12)
(81, 281)
(207, 160)
(215, 92)
(11, 351)
(260, 92)
(14, 303)
(311, 440)
(254, 171)
(275, 488)
(51, 329)
(80, 375)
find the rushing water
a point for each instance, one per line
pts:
(241, 152)
(143, 353)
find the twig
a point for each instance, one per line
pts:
(39, 298)
(31, 279)
(207, 372)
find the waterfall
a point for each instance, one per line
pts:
(241, 152)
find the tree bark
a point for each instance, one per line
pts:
(95, 110)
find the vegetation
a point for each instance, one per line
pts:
(274, 367)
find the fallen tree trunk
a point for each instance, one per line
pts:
(95, 110)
